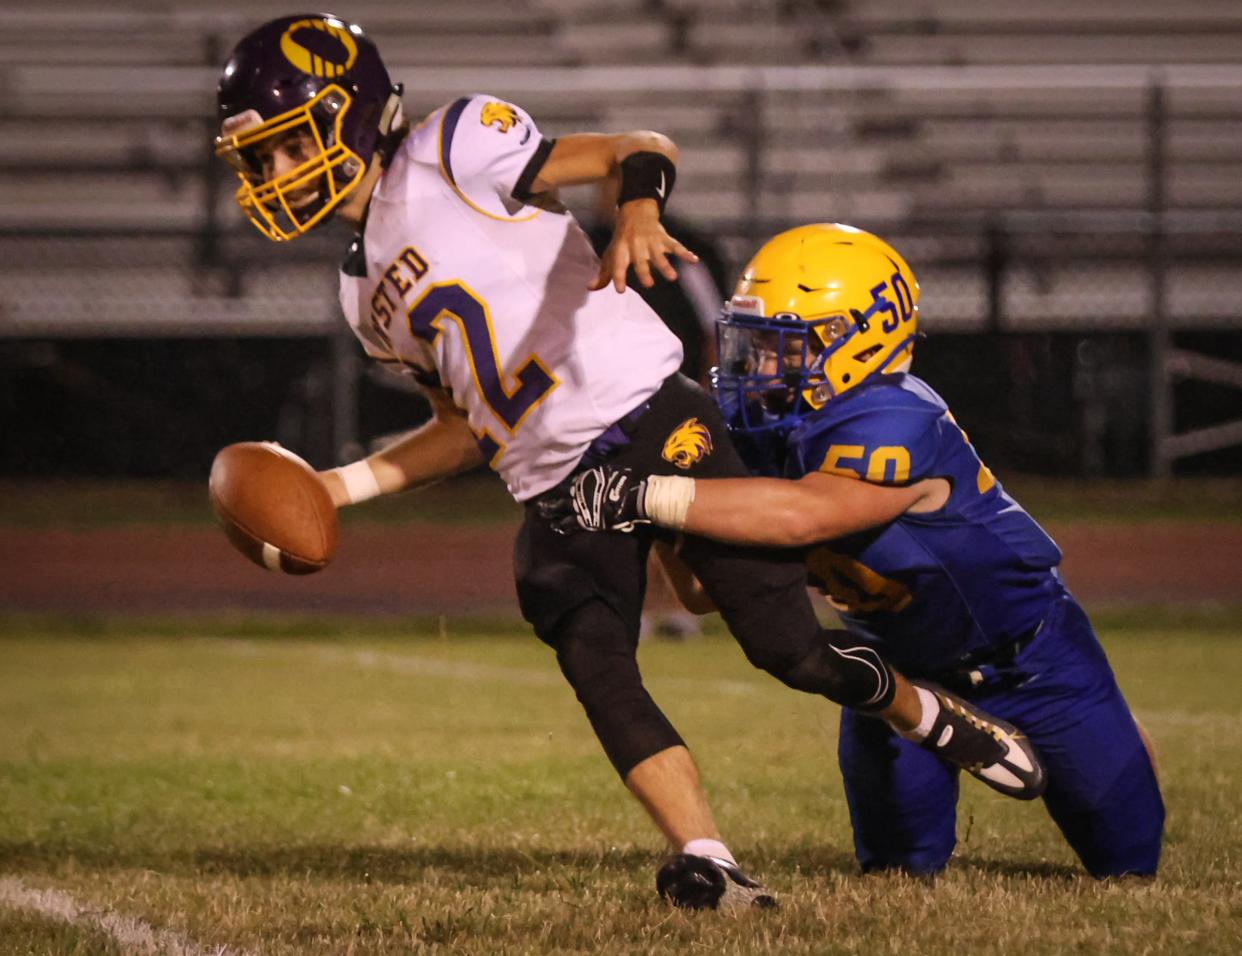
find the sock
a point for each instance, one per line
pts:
(705, 847)
(931, 710)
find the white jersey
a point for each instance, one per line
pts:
(456, 279)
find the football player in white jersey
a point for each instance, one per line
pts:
(467, 273)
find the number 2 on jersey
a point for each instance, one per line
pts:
(455, 301)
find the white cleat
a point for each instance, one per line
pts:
(986, 747)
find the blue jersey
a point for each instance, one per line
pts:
(934, 587)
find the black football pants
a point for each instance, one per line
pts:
(583, 593)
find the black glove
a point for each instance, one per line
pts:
(598, 499)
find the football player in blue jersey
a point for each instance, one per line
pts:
(951, 580)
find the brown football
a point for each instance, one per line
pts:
(273, 507)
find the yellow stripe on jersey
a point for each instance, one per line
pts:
(985, 481)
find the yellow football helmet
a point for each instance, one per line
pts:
(818, 311)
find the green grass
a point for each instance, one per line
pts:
(326, 786)
(1213, 500)
(481, 499)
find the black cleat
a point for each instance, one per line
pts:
(709, 883)
(989, 749)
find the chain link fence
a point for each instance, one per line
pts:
(1077, 233)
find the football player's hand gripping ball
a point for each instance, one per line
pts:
(598, 499)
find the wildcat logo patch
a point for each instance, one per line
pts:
(501, 115)
(688, 443)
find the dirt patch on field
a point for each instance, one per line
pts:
(411, 569)
(1160, 562)
(428, 569)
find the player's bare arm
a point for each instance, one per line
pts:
(442, 447)
(816, 507)
(772, 512)
(639, 239)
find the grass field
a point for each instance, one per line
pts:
(281, 786)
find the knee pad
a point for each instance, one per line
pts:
(845, 670)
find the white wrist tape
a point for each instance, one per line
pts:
(668, 499)
(359, 481)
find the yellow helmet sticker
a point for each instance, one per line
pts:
(320, 62)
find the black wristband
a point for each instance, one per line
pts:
(647, 175)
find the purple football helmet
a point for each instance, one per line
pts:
(316, 78)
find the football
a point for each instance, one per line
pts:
(273, 507)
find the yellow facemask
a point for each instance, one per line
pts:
(275, 206)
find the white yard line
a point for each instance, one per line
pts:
(133, 935)
(422, 666)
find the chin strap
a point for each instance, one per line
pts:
(392, 126)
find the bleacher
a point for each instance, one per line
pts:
(910, 116)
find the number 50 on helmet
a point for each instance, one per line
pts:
(819, 310)
(317, 78)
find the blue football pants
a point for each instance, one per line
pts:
(1102, 790)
